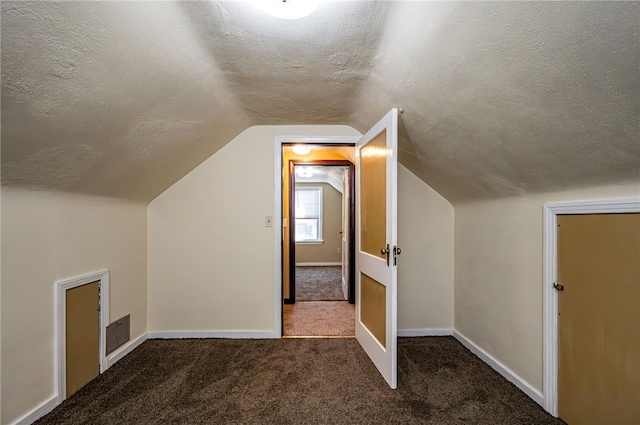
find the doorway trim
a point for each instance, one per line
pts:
(61, 321)
(278, 310)
(550, 276)
(292, 216)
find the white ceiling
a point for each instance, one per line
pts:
(329, 174)
(500, 98)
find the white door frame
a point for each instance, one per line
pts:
(61, 323)
(550, 276)
(277, 212)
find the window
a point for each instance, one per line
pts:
(308, 214)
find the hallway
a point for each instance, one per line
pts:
(319, 318)
(320, 309)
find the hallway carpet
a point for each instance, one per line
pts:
(319, 283)
(297, 381)
(320, 318)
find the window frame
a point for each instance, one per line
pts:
(319, 190)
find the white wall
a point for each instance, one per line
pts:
(498, 275)
(211, 260)
(47, 237)
(425, 267)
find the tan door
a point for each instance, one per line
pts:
(376, 245)
(599, 319)
(82, 335)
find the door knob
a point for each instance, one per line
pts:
(386, 251)
(558, 287)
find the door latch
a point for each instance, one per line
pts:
(558, 287)
(396, 251)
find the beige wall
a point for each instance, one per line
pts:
(327, 252)
(211, 259)
(425, 267)
(498, 275)
(47, 237)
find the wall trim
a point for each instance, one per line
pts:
(204, 334)
(402, 333)
(38, 412)
(53, 402)
(510, 375)
(126, 349)
(319, 264)
(60, 324)
(277, 214)
(550, 275)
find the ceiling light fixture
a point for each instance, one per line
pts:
(304, 172)
(301, 149)
(288, 9)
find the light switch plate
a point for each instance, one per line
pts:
(268, 221)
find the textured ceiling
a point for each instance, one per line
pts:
(500, 98)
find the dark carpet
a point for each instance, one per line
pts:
(319, 283)
(297, 381)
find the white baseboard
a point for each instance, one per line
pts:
(318, 264)
(500, 368)
(52, 403)
(213, 334)
(424, 332)
(126, 349)
(38, 412)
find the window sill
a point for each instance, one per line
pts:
(320, 242)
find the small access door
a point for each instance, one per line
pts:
(82, 335)
(376, 245)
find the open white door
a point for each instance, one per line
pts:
(376, 245)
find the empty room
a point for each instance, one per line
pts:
(316, 211)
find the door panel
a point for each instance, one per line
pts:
(373, 172)
(376, 239)
(373, 312)
(82, 335)
(599, 319)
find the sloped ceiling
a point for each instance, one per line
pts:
(331, 175)
(500, 98)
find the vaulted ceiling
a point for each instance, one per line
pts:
(500, 98)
